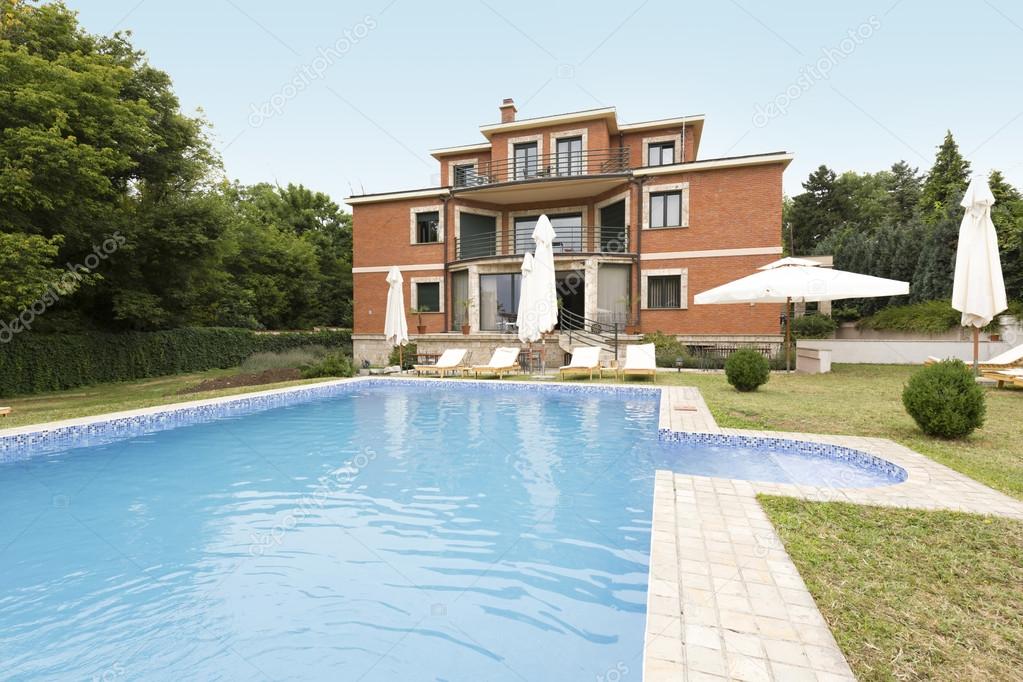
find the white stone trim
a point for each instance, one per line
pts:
(572, 117)
(682, 273)
(403, 268)
(682, 187)
(715, 164)
(474, 160)
(443, 151)
(661, 123)
(647, 141)
(429, 208)
(713, 253)
(414, 283)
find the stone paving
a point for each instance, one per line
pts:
(725, 601)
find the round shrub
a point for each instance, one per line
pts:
(333, 365)
(746, 369)
(945, 400)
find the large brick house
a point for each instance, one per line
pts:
(643, 225)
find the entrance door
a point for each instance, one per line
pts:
(571, 285)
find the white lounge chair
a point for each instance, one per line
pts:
(452, 360)
(585, 360)
(1010, 358)
(1009, 375)
(504, 361)
(640, 360)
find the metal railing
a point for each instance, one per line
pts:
(544, 166)
(589, 332)
(577, 239)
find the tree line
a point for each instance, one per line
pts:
(115, 213)
(901, 224)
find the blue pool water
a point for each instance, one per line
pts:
(390, 533)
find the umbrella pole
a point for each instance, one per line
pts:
(401, 358)
(976, 351)
(788, 335)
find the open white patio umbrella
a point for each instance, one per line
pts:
(978, 290)
(395, 325)
(800, 280)
(526, 318)
(543, 282)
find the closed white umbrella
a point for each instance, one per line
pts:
(795, 279)
(543, 282)
(978, 290)
(395, 325)
(526, 318)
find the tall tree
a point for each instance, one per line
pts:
(1007, 215)
(946, 181)
(904, 185)
(817, 212)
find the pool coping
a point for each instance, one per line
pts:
(724, 598)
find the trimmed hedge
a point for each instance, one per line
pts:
(746, 370)
(814, 327)
(33, 363)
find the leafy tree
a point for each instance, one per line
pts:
(946, 181)
(26, 272)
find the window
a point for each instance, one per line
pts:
(499, 302)
(525, 160)
(570, 156)
(568, 231)
(666, 209)
(428, 297)
(664, 291)
(465, 175)
(460, 302)
(660, 154)
(427, 227)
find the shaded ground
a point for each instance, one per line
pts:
(267, 376)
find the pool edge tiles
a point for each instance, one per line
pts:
(27, 441)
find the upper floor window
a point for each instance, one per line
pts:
(570, 156)
(526, 155)
(665, 209)
(660, 154)
(465, 174)
(427, 227)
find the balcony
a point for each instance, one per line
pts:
(562, 175)
(578, 239)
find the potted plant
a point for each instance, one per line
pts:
(465, 304)
(420, 327)
(630, 326)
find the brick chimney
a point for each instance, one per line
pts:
(508, 110)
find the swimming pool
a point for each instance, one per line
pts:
(385, 531)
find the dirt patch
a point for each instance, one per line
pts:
(267, 376)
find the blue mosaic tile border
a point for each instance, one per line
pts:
(857, 458)
(104, 432)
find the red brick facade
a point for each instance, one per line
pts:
(731, 212)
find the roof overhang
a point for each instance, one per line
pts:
(607, 113)
(695, 122)
(439, 192)
(783, 158)
(463, 149)
(546, 190)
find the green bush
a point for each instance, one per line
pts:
(845, 314)
(929, 317)
(407, 356)
(289, 359)
(667, 349)
(945, 400)
(813, 327)
(32, 363)
(746, 369)
(336, 364)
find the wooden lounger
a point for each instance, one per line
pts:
(452, 360)
(504, 361)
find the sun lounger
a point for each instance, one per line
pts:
(4, 411)
(452, 360)
(1010, 358)
(504, 361)
(585, 360)
(1009, 375)
(640, 360)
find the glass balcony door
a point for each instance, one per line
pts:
(570, 156)
(526, 156)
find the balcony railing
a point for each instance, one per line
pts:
(538, 167)
(577, 239)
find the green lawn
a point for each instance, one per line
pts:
(128, 395)
(911, 595)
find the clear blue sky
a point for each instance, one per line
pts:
(406, 77)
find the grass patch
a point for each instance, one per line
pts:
(127, 395)
(911, 595)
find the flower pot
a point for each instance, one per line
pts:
(420, 329)
(465, 329)
(630, 329)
